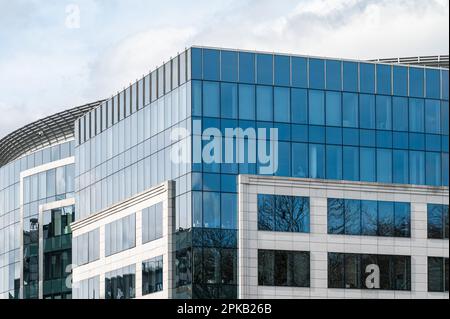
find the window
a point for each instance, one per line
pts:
(367, 164)
(264, 103)
(367, 78)
(283, 213)
(334, 75)
(356, 271)
(120, 284)
(196, 64)
(368, 218)
(333, 109)
(432, 117)
(384, 165)
(383, 79)
(433, 83)
(120, 235)
(437, 274)
(152, 275)
(282, 105)
(400, 85)
(246, 102)
(367, 111)
(334, 162)
(211, 100)
(350, 76)
(246, 67)
(433, 169)
(283, 268)
(416, 168)
(316, 161)
(316, 74)
(299, 106)
(229, 62)
(282, 70)
(229, 100)
(211, 65)
(152, 219)
(87, 289)
(299, 72)
(265, 69)
(228, 210)
(400, 113)
(350, 117)
(86, 247)
(383, 112)
(211, 210)
(316, 107)
(350, 160)
(437, 221)
(400, 166)
(416, 82)
(196, 100)
(299, 160)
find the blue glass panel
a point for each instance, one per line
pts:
(444, 117)
(444, 143)
(282, 70)
(196, 98)
(316, 161)
(229, 211)
(316, 107)
(402, 218)
(384, 112)
(334, 162)
(350, 76)
(211, 210)
(367, 78)
(369, 218)
(299, 106)
(433, 143)
(282, 105)
(445, 171)
(350, 136)
(299, 72)
(386, 219)
(350, 116)
(367, 138)
(383, 79)
(367, 111)
(400, 80)
(433, 84)
(352, 215)
(416, 82)
(211, 99)
(416, 168)
(400, 113)
(229, 100)
(334, 135)
(300, 133)
(197, 181)
(336, 220)
(367, 164)
(416, 115)
(196, 65)
(246, 102)
(228, 183)
(384, 166)
(264, 103)
(265, 69)
(433, 169)
(299, 160)
(400, 167)
(229, 62)
(384, 139)
(284, 159)
(211, 182)
(400, 140)
(317, 134)
(444, 84)
(211, 65)
(284, 131)
(416, 141)
(350, 161)
(246, 67)
(433, 116)
(316, 74)
(334, 81)
(333, 109)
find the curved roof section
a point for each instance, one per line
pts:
(42, 133)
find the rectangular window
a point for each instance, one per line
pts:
(316, 161)
(316, 107)
(121, 283)
(211, 65)
(152, 275)
(246, 102)
(350, 76)
(400, 166)
(417, 168)
(383, 79)
(383, 112)
(433, 86)
(282, 70)
(283, 268)
(299, 160)
(121, 235)
(400, 113)
(437, 221)
(211, 99)
(367, 111)
(357, 271)
(416, 82)
(299, 106)
(264, 103)
(350, 117)
(229, 100)
(367, 164)
(229, 63)
(437, 274)
(152, 219)
(211, 210)
(384, 165)
(316, 74)
(299, 72)
(333, 109)
(400, 85)
(283, 213)
(282, 105)
(433, 116)
(334, 81)
(246, 67)
(265, 69)
(350, 160)
(367, 78)
(334, 162)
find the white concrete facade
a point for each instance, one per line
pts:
(319, 243)
(141, 252)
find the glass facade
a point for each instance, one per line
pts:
(152, 223)
(437, 221)
(152, 275)
(121, 283)
(437, 274)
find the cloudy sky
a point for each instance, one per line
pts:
(49, 62)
